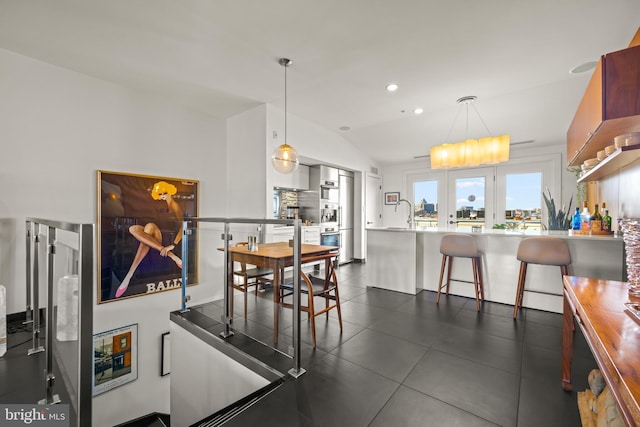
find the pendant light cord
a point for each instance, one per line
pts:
(453, 125)
(480, 117)
(466, 100)
(286, 64)
(466, 128)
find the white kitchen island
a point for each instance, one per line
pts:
(408, 261)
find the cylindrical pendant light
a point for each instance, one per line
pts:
(471, 152)
(285, 157)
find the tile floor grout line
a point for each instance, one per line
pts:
(522, 355)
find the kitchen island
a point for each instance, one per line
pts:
(408, 261)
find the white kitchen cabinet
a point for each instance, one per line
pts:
(279, 234)
(311, 235)
(298, 180)
(301, 178)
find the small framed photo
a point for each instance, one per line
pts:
(115, 360)
(165, 362)
(391, 198)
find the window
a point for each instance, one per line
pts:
(507, 194)
(425, 202)
(519, 189)
(523, 201)
(472, 202)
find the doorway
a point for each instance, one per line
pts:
(471, 198)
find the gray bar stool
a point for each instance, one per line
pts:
(544, 251)
(461, 246)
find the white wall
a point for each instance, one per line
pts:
(315, 142)
(57, 127)
(246, 156)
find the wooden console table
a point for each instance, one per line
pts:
(612, 334)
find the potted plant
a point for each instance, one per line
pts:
(581, 187)
(557, 219)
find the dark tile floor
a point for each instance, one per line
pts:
(403, 360)
(22, 376)
(400, 360)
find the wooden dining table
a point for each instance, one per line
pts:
(277, 256)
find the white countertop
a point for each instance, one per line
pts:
(497, 232)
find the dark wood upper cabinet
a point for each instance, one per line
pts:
(609, 107)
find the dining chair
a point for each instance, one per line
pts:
(249, 276)
(315, 287)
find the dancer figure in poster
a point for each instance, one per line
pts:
(150, 235)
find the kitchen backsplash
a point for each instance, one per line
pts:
(287, 198)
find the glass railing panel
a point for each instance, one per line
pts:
(259, 320)
(202, 262)
(262, 309)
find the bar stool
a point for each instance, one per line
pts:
(544, 251)
(461, 246)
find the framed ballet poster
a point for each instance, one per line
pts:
(140, 234)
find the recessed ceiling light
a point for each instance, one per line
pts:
(587, 66)
(392, 87)
(345, 128)
(418, 111)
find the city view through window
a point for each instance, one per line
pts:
(426, 203)
(470, 202)
(522, 204)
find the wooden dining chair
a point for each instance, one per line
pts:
(249, 276)
(313, 287)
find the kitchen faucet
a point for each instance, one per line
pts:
(410, 218)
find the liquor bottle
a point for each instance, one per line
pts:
(585, 218)
(606, 219)
(596, 220)
(576, 220)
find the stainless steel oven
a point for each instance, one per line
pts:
(330, 236)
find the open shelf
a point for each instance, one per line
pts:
(613, 163)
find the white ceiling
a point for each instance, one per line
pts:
(221, 57)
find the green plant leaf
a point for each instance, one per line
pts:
(558, 219)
